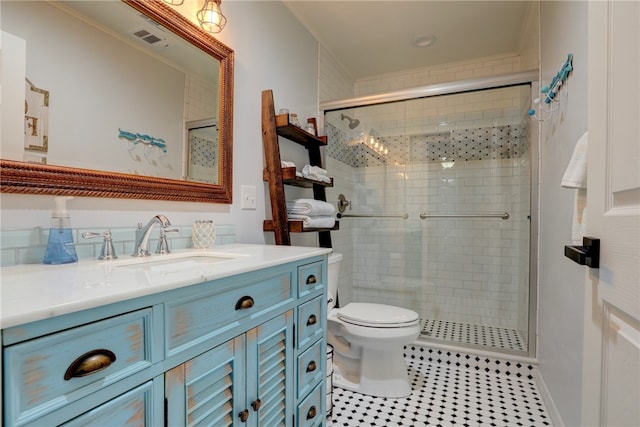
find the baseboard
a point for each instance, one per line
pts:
(552, 410)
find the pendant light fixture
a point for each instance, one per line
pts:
(174, 2)
(210, 16)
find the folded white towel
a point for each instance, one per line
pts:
(316, 173)
(314, 221)
(286, 164)
(575, 176)
(310, 207)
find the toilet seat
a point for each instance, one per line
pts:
(377, 315)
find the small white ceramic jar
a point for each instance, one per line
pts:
(204, 234)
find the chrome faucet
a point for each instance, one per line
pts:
(142, 234)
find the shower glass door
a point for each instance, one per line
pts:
(460, 166)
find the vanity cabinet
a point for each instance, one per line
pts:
(248, 349)
(245, 381)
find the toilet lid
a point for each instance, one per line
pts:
(376, 314)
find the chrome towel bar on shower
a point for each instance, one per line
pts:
(504, 215)
(375, 215)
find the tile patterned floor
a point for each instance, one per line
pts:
(487, 336)
(450, 390)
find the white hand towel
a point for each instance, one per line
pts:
(575, 176)
(310, 207)
(286, 164)
(579, 226)
(314, 221)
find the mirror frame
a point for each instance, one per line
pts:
(34, 178)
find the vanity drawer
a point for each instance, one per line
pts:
(202, 316)
(310, 320)
(132, 409)
(310, 371)
(310, 413)
(310, 278)
(47, 373)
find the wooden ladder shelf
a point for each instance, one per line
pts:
(278, 125)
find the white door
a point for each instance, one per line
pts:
(611, 375)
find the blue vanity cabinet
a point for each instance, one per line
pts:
(311, 344)
(246, 381)
(244, 350)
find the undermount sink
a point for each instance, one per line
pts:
(172, 263)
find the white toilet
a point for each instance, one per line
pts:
(368, 342)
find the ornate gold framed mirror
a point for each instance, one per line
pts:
(137, 136)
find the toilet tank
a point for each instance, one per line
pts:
(332, 277)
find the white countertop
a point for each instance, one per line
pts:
(36, 291)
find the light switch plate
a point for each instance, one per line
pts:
(248, 197)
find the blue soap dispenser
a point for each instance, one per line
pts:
(60, 248)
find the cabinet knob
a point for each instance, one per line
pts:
(90, 363)
(244, 303)
(311, 280)
(311, 366)
(312, 320)
(244, 415)
(256, 405)
(312, 413)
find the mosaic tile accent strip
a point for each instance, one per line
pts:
(204, 151)
(484, 143)
(487, 336)
(446, 396)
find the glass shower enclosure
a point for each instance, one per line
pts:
(437, 191)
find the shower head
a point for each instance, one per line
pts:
(353, 123)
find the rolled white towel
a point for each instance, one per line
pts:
(314, 221)
(310, 207)
(316, 173)
(315, 170)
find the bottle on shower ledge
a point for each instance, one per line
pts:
(60, 248)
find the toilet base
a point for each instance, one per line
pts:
(383, 373)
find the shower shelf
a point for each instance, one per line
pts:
(274, 126)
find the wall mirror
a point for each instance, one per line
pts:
(99, 100)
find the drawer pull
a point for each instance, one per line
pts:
(244, 303)
(312, 413)
(311, 366)
(312, 320)
(311, 280)
(256, 404)
(244, 415)
(90, 363)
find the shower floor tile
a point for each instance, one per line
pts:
(446, 396)
(488, 336)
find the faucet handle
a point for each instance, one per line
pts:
(107, 251)
(163, 244)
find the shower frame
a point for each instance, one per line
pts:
(530, 77)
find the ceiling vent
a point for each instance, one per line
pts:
(150, 37)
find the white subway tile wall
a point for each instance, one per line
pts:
(481, 67)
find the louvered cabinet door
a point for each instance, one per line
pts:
(271, 371)
(208, 390)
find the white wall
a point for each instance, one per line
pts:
(272, 51)
(561, 281)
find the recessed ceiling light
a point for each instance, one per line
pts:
(423, 40)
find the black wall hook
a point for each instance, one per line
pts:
(588, 254)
